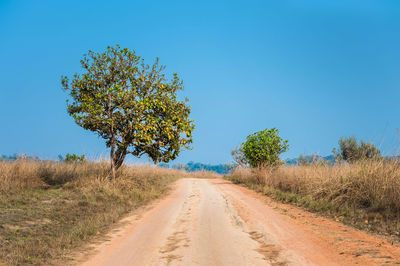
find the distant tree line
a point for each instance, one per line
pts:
(69, 158)
(309, 159)
(9, 157)
(15, 157)
(222, 169)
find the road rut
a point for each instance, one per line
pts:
(214, 222)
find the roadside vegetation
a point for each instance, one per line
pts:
(361, 189)
(49, 208)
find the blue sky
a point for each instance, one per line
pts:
(316, 70)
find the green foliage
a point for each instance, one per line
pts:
(73, 158)
(133, 106)
(351, 150)
(264, 147)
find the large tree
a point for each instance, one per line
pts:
(132, 105)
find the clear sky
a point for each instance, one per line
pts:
(315, 69)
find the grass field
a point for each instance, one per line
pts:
(365, 194)
(47, 209)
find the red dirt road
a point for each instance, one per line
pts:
(214, 222)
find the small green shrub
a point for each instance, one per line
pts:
(238, 157)
(264, 147)
(73, 158)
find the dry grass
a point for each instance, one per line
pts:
(204, 174)
(365, 194)
(46, 209)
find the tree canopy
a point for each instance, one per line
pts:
(130, 104)
(264, 147)
(351, 150)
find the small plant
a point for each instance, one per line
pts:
(312, 159)
(351, 150)
(238, 157)
(303, 160)
(264, 147)
(73, 158)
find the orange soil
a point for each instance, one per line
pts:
(214, 222)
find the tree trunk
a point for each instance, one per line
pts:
(119, 157)
(112, 152)
(112, 160)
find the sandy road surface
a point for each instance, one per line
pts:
(213, 222)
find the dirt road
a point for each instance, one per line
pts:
(214, 222)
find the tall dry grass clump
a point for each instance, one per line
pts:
(30, 174)
(48, 208)
(19, 175)
(365, 193)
